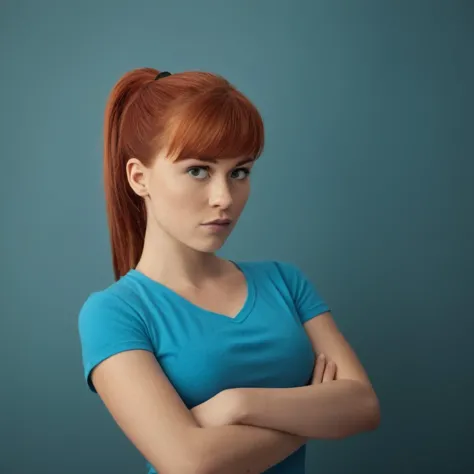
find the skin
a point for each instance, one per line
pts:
(180, 197)
(226, 407)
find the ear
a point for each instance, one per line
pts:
(137, 175)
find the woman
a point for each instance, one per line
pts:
(207, 365)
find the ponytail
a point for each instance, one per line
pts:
(126, 213)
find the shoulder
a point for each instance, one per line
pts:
(109, 306)
(290, 279)
(109, 323)
(279, 269)
(104, 299)
(280, 274)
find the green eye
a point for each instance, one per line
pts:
(198, 172)
(202, 172)
(244, 172)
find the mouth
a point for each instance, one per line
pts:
(219, 222)
(218, 227)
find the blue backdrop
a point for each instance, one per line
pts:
(367, 183)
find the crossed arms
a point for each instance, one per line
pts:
(241, 430)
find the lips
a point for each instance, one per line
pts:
(219, 222)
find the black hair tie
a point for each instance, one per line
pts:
(162, 74)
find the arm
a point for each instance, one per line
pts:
(226, 408)
(333, 410)
(343, 407)
(235, 449)
(146, 407)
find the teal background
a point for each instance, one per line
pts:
(367, 183)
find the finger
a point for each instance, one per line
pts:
(319, 369)
(329, 371)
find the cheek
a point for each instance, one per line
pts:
(242, 195)
(176, 196)
(188, 194)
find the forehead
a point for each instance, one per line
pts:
(236, 161)
(164, 159)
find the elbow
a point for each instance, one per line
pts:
(188, 466)
(198, 459)
(205, 465)
(368, 417)
(190, 459)
(371, 411)
(203, 469)
(375, 414)
(371, 408)
(185, 465)
(200, 467)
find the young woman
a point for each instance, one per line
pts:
(207, 365)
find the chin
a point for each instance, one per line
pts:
(206, 244)
(212, 248)
(208, 247)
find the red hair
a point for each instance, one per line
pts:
(188, 114)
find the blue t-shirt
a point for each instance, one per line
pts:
(201, 352)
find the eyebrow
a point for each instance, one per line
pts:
(207, 159)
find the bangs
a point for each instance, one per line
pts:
(221, 123)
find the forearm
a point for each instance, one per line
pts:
(332, 410)
(240, 449)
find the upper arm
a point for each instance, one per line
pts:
(120, 365)
(322, 330)
(305, 297)
(326, 338)
(147, 408)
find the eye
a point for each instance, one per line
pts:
(244, 172)
(195, 172)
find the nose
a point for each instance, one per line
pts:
(220, 194)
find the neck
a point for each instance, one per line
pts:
(170, 262)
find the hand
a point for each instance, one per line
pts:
(324, 370)
(220, 410)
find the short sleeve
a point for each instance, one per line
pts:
(306, 298)
(108, 325)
